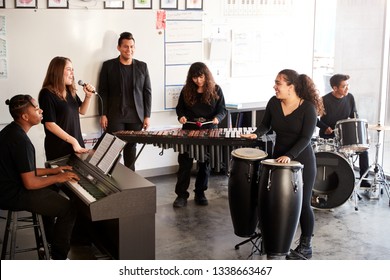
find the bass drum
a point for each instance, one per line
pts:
(335, 181)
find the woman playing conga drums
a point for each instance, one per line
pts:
(292, 115)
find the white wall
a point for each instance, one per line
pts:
(359, 49)
(359, 53)
(285, 40)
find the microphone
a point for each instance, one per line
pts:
(81, 83)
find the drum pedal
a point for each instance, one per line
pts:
(374, 192)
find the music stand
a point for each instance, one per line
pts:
(379, 175)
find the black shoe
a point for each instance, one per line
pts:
(296, 255)
(303, 251)
(201, 199)
(180, 202)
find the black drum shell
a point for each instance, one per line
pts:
(335, 181)
(352, 135)
(243, 192)
(279, 206)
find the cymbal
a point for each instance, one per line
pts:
(378, 127)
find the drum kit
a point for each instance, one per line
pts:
(258, 186)
(335, 181)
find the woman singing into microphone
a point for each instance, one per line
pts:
(61, 108)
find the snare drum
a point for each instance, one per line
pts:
(280, 202)
(352, 135)
(243, 189)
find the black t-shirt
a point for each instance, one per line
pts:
(17, 156)
(293, 132)
(216, 109)
(127, 112)
(336, 109)
(66, 115)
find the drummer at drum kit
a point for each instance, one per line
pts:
(340, 105)
(292, 115)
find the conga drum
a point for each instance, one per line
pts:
(279, 207)
(243, 189)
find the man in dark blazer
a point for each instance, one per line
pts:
(125, 88)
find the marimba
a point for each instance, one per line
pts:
(212, 144)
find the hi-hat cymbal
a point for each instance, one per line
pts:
(378, 127)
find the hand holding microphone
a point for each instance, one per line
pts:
(88, 87)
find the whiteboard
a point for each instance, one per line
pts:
(183, 46)
(183, 31)
(183, 53)
(34, 37)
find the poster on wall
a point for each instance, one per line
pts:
(57, 4)
(172, 94)
(3, 48)
(168, 4)
(246, 46)
(2, 25)
(29, 4)
(3, 68)
(194, 4)
(142, 4)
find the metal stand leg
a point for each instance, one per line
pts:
(257, 244)
(378, 184)
(140, 151)
(355, 193)
(379, 177)
(250, 239)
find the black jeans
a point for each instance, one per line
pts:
(52, 206)
(184, 176)
(363, 163)
(130, 150)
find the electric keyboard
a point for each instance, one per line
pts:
(121, 207)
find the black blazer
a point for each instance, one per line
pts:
(111, 88)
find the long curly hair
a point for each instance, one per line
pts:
(54, 80)
(190, 89)
(304, 87)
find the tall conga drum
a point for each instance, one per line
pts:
(243, 189)
(280, 201)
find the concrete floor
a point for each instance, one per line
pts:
(206, 232)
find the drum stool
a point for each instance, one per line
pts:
(21, 220)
